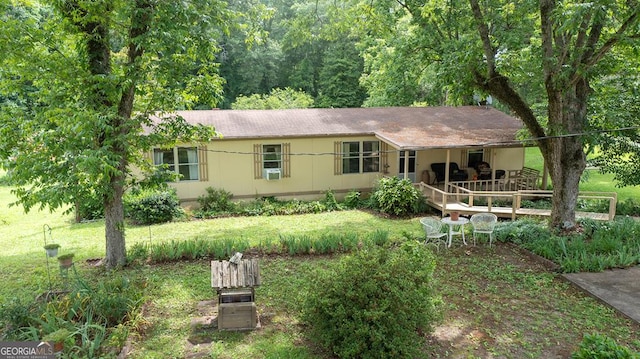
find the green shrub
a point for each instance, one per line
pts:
(378, 238)
(352, 200)
(330, 202)
(82, 318)
(151, 206)
(396, 196)
(598, 346)
(629, 207)
(15, 315)
(216, 201)
(90, 207)
(373, 304)
(601, 245)
(522, 231)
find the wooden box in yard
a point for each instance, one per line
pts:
(237, 316)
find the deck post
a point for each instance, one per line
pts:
(514, 202)
(406, 164)
(446, 171)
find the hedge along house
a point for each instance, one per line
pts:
(302, 153)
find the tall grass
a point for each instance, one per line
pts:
(602, 245)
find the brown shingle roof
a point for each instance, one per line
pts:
(402, 127)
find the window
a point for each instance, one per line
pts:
(271, 156)
(356, 161)
(181, 160)
(272, 161)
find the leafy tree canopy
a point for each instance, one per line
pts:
(541, 60)
(276, 99)
(95, 82)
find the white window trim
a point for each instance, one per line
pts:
(177, 164)
(361, 156)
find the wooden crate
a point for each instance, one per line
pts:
(237, 316)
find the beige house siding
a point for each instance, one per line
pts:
(311, 143)
(230, 165)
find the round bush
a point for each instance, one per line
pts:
(151, 206)
(216, 200)
(374, 304)
(396, 196)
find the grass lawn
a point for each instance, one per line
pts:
(497, 302)
(592, 179)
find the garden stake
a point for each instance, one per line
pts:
(44, 230)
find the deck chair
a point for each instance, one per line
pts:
(483, 169)
(433, 232)
(483, 223)
(455, 173)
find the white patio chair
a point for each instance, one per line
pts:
(483, 223)
(433, 231)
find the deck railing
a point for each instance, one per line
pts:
(455, 193)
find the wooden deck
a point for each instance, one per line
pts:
(505, 204)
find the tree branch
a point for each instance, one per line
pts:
(606, 47)
(498, 85)
(483, 31)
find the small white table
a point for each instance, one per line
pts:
(452, 227)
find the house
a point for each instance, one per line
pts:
(302, 153)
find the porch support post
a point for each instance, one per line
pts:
(446, 170)
(406, 164)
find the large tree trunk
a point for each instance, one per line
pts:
(114, 208)
(115, 135)
(567, 160)
(116, 254)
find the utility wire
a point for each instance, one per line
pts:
(523, 141)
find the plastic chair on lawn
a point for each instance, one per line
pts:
(433, 231)
(483, 223)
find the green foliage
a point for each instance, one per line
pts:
(330, 202)
(328, 243)
(216, 200)
(598, 346)
(86, 78)
(90, 207)
(522, 231)
(151, 206)
(396, 196)
(16, 315)
(617, 99)
(201, 248)
(191, 249)
(66, 256)
(600, 246)
(379, 238)
(628, 207)
(82, 319)
(353, 200)
(374, 303)
(338, 81)
(277, 99)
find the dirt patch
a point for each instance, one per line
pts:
(506, 302)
